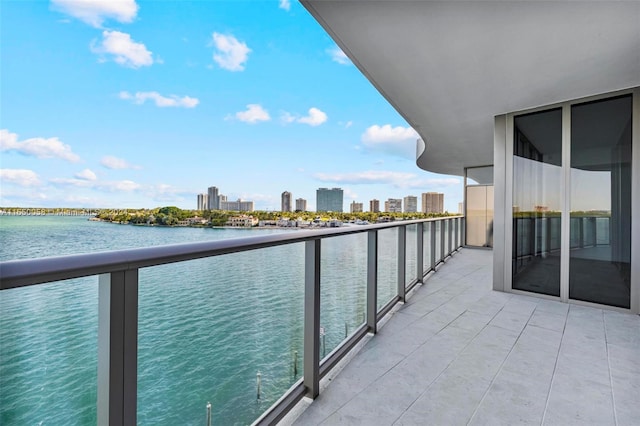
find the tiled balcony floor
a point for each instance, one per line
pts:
(458, 353)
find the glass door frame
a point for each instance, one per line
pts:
(503, 156)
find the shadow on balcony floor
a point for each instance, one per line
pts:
(458, 353)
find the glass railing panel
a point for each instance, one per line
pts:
(48, 368)
(438, 245)
(589, 231)
(343, 288)
(554, 223)
(426, 246)
(574, 238)
(411, 252)
(206, 329)
(602, 231)
(387, 265)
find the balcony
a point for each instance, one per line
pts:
(459, 353)
(455, 352)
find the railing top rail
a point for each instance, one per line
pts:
(21, 273)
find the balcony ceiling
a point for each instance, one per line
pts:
(450, 67)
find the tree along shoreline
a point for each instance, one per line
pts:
(174, 216)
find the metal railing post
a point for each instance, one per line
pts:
(420, 251)
(118, 348)
(450, 236)
(402, 262)
(372, 281)
(433, 246)
(311, 367)
(442, 255)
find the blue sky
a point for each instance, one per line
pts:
(147, 103)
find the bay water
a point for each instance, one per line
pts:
(206, 327)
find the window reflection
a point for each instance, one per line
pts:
(600, 232)
(537, 178)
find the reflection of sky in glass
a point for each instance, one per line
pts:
(536, 184)
(540, 185)
(590, 190)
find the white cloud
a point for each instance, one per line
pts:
(86, 174)
(315, 117)
(160, 101)
(163, 192)
(442, 181)
(397, 179)
(366, 177)
(398, 140)
(82, 183)
(337, 55)
(37, 147)
(253, 114)
(350, 194)
(22, 177)
(285, 4)
(109, 186)
(111, 162)
(124, 50)
(386, 133)
(120, 185)
(95, 12)
(231, 54)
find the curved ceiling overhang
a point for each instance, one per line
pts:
(449, 67)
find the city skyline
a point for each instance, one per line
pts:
(247, 97)
(329, 200)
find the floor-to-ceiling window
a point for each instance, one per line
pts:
(600, 255)
(571, 187)
(537, 182)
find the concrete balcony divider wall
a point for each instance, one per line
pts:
(118, 273)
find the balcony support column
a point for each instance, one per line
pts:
(372, 281)
(311, 359)
(118, 348)
(402, 262)
(420, 252)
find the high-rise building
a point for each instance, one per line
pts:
(203, 201)
(410, 204)
(393, 205)
(214, 201)
(237, 206)
(301, 204)
(286, 201)
(432, 202)
(374, 206)
(329, 200)
(461, 208)
(356, 207)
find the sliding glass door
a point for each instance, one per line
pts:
(600, 255)
(572, 201)
(537, 182)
